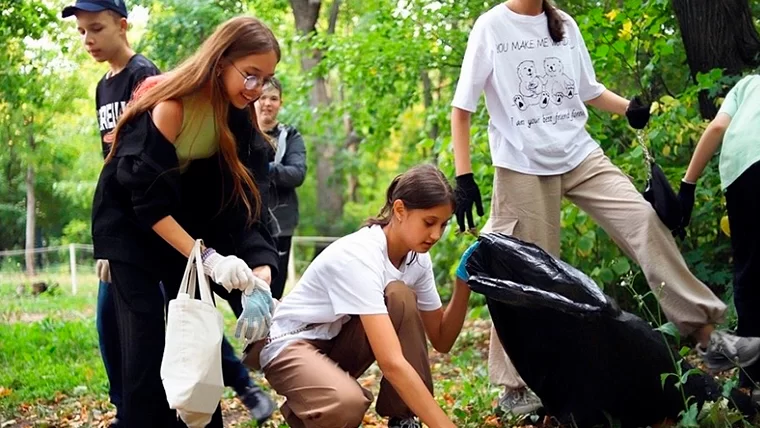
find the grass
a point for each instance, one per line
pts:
(52, 373)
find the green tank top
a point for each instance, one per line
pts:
(198, 137)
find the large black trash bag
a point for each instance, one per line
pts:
(586, 359)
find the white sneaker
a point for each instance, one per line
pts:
(726, 351)
(518, 402)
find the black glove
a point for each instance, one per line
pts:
(467, 193)
(637, 113)
(686, 198)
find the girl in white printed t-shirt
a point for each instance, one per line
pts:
(369, 296)
(533, 65)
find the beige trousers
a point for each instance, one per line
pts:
(528, 208)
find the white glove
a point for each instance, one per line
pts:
(103, 269)
(230, 272)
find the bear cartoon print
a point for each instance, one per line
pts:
(532, 90)
(558, 84)
(554, 85)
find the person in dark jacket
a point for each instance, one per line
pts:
(103, 31)
(287, 171)
(188, 162)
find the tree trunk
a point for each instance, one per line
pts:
(427, 102)
(31, 204)
(330, 187)
(329, 192)
(717, 34)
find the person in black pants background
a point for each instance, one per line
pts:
(103, 28)
(736, 128)
(287, 171)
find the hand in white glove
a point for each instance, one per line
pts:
(258, 308)
(103, 269)
(230, 272)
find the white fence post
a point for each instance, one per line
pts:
(290, 280)
(73, 267)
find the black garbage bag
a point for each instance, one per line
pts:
(664, 200)
(587, 360)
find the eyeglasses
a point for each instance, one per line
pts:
(251, 81)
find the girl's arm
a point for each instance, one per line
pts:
(610, 102)
(405, 380)
(708, 144)
(460, 134)
(443, 326)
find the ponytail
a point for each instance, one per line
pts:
(384, 217)
(554, 21)
(422, 187)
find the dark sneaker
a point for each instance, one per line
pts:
(258, 403)
(726, 351)
(403, 423)
(518, 402)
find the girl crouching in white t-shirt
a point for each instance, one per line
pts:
(369, 296)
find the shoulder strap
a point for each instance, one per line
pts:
(282, 143)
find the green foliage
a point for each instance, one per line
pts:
(390, 71)
(178, 27)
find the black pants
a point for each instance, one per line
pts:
(283, 249)
(743, 203)
(139, 307)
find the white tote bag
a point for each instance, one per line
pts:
(191, 369)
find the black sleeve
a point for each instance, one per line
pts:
(253, 242)
(148, 168)
(139, 75)
(154, 191)
(291, 172)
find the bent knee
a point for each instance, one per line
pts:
(347, 411)
(397, 292)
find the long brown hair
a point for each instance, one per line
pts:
(422, 187)
(236, 38)
(554, 21)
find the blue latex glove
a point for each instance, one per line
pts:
(258, 308)
(462, 269)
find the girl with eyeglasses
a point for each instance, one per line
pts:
(188, 162)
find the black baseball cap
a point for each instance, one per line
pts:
(117, 6)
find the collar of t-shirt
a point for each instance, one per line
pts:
(376, 232)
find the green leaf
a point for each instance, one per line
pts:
(606, 275)
(670, 329)
(684, 351)
(689, 417)
(603, 50)
(621, 266)
(585, 245)
(664, 378)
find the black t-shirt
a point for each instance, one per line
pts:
(112, 94)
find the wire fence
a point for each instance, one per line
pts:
(75, 262)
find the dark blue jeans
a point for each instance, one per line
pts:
(110, 347)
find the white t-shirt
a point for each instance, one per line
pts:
(535, 91)
(348, 278)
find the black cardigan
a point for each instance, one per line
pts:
(142, 184)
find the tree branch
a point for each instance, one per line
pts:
(334, 9)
